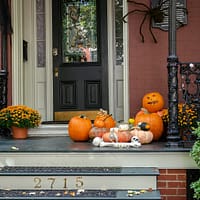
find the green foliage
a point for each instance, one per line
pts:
(197, 130)
(196, 187)
(195, 154)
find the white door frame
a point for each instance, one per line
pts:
(17, 52)
(126, 66)
(18, 83)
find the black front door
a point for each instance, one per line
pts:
(79, 57)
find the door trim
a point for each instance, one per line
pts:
(17, 59)
(49, 60)
(126, 66)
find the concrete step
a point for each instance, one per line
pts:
(50, 130)
(93, 178)
(80, 194)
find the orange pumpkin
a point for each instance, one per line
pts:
(124, 136)
(103, 119)
(153, 101)
(154, 120)
(79, 127)
(99, 123)
(121, 136)
(109, 122)
(145, 137)
(107, 137)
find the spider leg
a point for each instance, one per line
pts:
(141, 34)
(132, 12)
(180, 23)
(161, 3)
(150, 29)
(185, 10)
(137, 3)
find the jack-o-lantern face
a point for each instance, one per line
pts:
(153, 102)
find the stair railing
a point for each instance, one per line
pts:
(190, 86)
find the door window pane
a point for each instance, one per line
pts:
(119, 31)
(79, 35)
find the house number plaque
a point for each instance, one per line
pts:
(181, 13)
(53, 182)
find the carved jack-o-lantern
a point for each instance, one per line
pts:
(153, 102)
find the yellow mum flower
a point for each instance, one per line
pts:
(19, 115)
(187, 116)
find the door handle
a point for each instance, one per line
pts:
(55, 51)
(56, 72)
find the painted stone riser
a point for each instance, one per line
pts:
(77, 182)
(58, 178)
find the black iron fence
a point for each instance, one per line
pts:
(3, 97)
(190, 86)
(3, 88)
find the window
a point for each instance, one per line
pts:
(79, 35)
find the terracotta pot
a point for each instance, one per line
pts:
(19, 133)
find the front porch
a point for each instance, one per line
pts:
(49, 149)
(54, 138)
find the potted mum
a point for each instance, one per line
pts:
(19, 118)
(187, 119)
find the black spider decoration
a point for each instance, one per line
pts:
(156, 14)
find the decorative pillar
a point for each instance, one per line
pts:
(173, 136)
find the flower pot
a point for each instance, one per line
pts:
(19, 133)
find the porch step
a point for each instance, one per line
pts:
(73, 178)
(79, 194)
(50, 129)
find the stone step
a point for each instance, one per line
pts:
(58, 178)
(57, 129)
(80, 194)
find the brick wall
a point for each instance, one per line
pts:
(148, 60)
(172, 184)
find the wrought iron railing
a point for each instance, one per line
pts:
(3, 97)
(190, 86)
(3, 88)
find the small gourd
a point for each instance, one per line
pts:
(103, 119)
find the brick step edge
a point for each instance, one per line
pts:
(80, 194)
(24, 170)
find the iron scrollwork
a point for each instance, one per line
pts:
(3, 97)
(190, 86)
(3, 89)
(173, 131)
